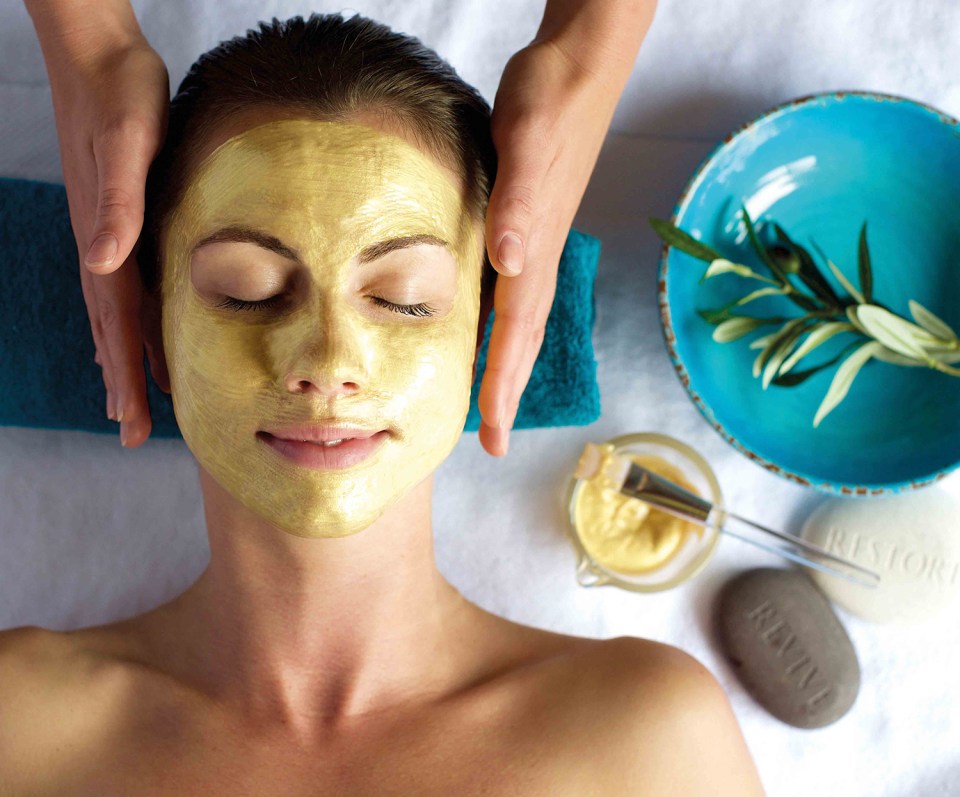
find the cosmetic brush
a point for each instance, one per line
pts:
(635, 481)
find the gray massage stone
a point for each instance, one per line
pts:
(787, 646)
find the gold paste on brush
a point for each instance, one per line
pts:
(326, 190)
(625, 534)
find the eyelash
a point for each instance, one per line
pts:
(421, 309)
(237, 304)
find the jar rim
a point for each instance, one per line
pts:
(587, 564)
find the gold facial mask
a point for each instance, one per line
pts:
(328, 346)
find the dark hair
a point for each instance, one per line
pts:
(328, 67)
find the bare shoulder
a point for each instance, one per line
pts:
(669, 727)
(39, 668)
(30, 657)
(635, 716)
(54, 697)
(58, 661)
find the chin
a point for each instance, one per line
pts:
(327, 527)
(306, 514)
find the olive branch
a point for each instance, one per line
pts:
(878, 332)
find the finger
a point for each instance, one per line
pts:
(158, 366)
(522, 165)
(152, 329)
(118, 297)
(497, 440)
(88, 288)
(157, 371)
(123, 153)
(103, 373)
(494, 441)
(521, 307)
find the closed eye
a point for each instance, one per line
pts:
(420, 309)
(238, 304)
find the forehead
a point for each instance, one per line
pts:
(242, 120)
(320, 172)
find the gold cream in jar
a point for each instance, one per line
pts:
(624, 533)
(626, 542)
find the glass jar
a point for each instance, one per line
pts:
(696, 549)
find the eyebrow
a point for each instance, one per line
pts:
(241, 234)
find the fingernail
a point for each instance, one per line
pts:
(110, 405)
(120, 409)
(102, 251)
(123, 435)
(506, 441)
(510, 253)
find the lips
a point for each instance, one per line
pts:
(323, 433)
(303, 445)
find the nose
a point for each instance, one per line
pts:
(331, 358)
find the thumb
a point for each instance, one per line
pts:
(513, 205)
(122, 162)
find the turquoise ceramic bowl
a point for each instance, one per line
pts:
(820, 166)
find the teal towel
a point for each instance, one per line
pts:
(49, 380)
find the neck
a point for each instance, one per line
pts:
(315, 632)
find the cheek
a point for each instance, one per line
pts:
(217, 363)
(428, 377)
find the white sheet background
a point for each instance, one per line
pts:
(90, 532)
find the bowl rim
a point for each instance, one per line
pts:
(666, 327)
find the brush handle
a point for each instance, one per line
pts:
(798, 550)
(641, 483)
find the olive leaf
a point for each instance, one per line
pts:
(944, 347)
(721, 314)
(759, 343)
(844, 377)
(851, 313)
(937, 360)
(775, 268)
(847, 285)
(894, 332)
(737, 327)
(717, 316)
(723, 266)
(817, 337)
(780, 354)
(939, 366)
(683, 241)
(809, 273)
(892, 357)
(864, 266)
(758, 294)
(777, 340)
(933, 324)
(945, 356)
(796, 377)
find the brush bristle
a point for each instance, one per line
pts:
(589, 462)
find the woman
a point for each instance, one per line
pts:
(314, 251)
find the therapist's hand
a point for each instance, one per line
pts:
(550, 116)
(110, 94)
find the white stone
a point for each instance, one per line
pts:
(912, 540)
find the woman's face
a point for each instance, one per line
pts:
(363, 327)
